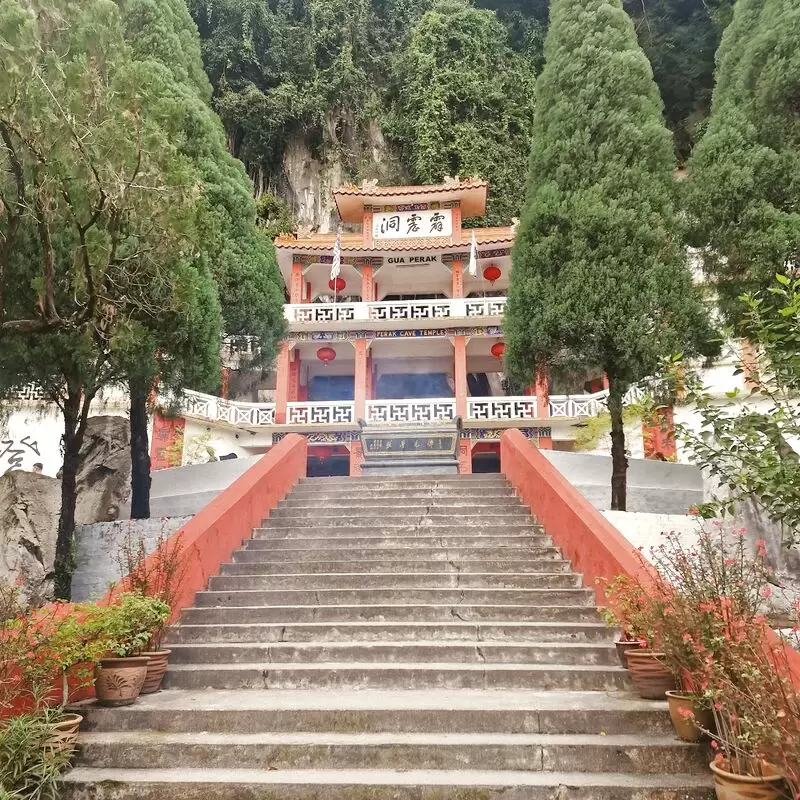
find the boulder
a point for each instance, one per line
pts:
(29, 508)
(104, 478)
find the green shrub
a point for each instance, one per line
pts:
(30, 767)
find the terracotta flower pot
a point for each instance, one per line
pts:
(650, 678)
(65, 732)
(623, 645)
(732, 786)
(156, 667)
(687, 725)
(118, 681)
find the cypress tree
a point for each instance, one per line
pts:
(743, 192)
(599, 276)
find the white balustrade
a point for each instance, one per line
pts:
(206, 406)
(321, 313)
(410, 310)
(395, 311)
(501, 408)
(329, 412)
(485, 306)
(580, 405)
(410, 411)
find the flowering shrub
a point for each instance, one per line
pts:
(705, 611)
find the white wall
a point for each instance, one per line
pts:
(33, 434)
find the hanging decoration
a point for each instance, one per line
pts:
(337, 284)
(498, 348)
(326, 355)
(492, 273)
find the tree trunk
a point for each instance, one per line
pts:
(140, 451)
(619, 462)
(76, 413)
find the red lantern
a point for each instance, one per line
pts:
(326, 355)
(492, 273)
(498, 348)
(337, 285)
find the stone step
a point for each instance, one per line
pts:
(395, 526)
(263, 564)
(274, 541)
(504, 575)
(392, 631)
(388, 596)
(362, 784)
(426, 481)
(395, 653)
(318, 495)
(356, 675)
(627, 753)
(374, 711)
(411, 515)
(429, 613)
(414, 505)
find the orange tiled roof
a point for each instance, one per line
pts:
(354, 241)
(395, 191)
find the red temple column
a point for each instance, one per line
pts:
(458, 278)
(360, 378)
(460, 374)
(367, 284)
(296, 283)
(294, 377)
(464, 456)
(366, 227)
(370, 377)
(457, 236)
(282, 383)
(542, 392)
(356, 458)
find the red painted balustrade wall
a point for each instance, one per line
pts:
(209, 538)
(594, 546)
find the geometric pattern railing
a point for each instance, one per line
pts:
(234, 412)
(486, 306)
(418, 411)
(585, 405)
(411, 411)
(501, 408)
(395, 310)
(410, 309)
(317, 312)
(334, 412)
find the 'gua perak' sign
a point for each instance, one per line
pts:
(412, 224)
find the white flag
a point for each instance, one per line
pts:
(473, 257)
(337, 257)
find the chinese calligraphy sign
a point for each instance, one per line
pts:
(13, 453)
(412, 224)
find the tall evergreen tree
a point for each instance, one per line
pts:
(599, 276)
(96, 202)
(743, 191)
(238, 255)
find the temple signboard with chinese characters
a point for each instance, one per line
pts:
(412, 223)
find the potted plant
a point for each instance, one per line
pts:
(624, 613)
(124, 628)
(638, 610)
(160, 575)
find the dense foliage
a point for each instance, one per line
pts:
(449, 85)
(599, 275)
(749, 452)
(744, 187)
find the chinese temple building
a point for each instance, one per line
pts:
(403, 335)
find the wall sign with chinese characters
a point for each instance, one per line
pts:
(412, 224)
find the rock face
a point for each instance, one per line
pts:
(29, 508)
(30, 505)
(105, 474)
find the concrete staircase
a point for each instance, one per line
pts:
(380, 639)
